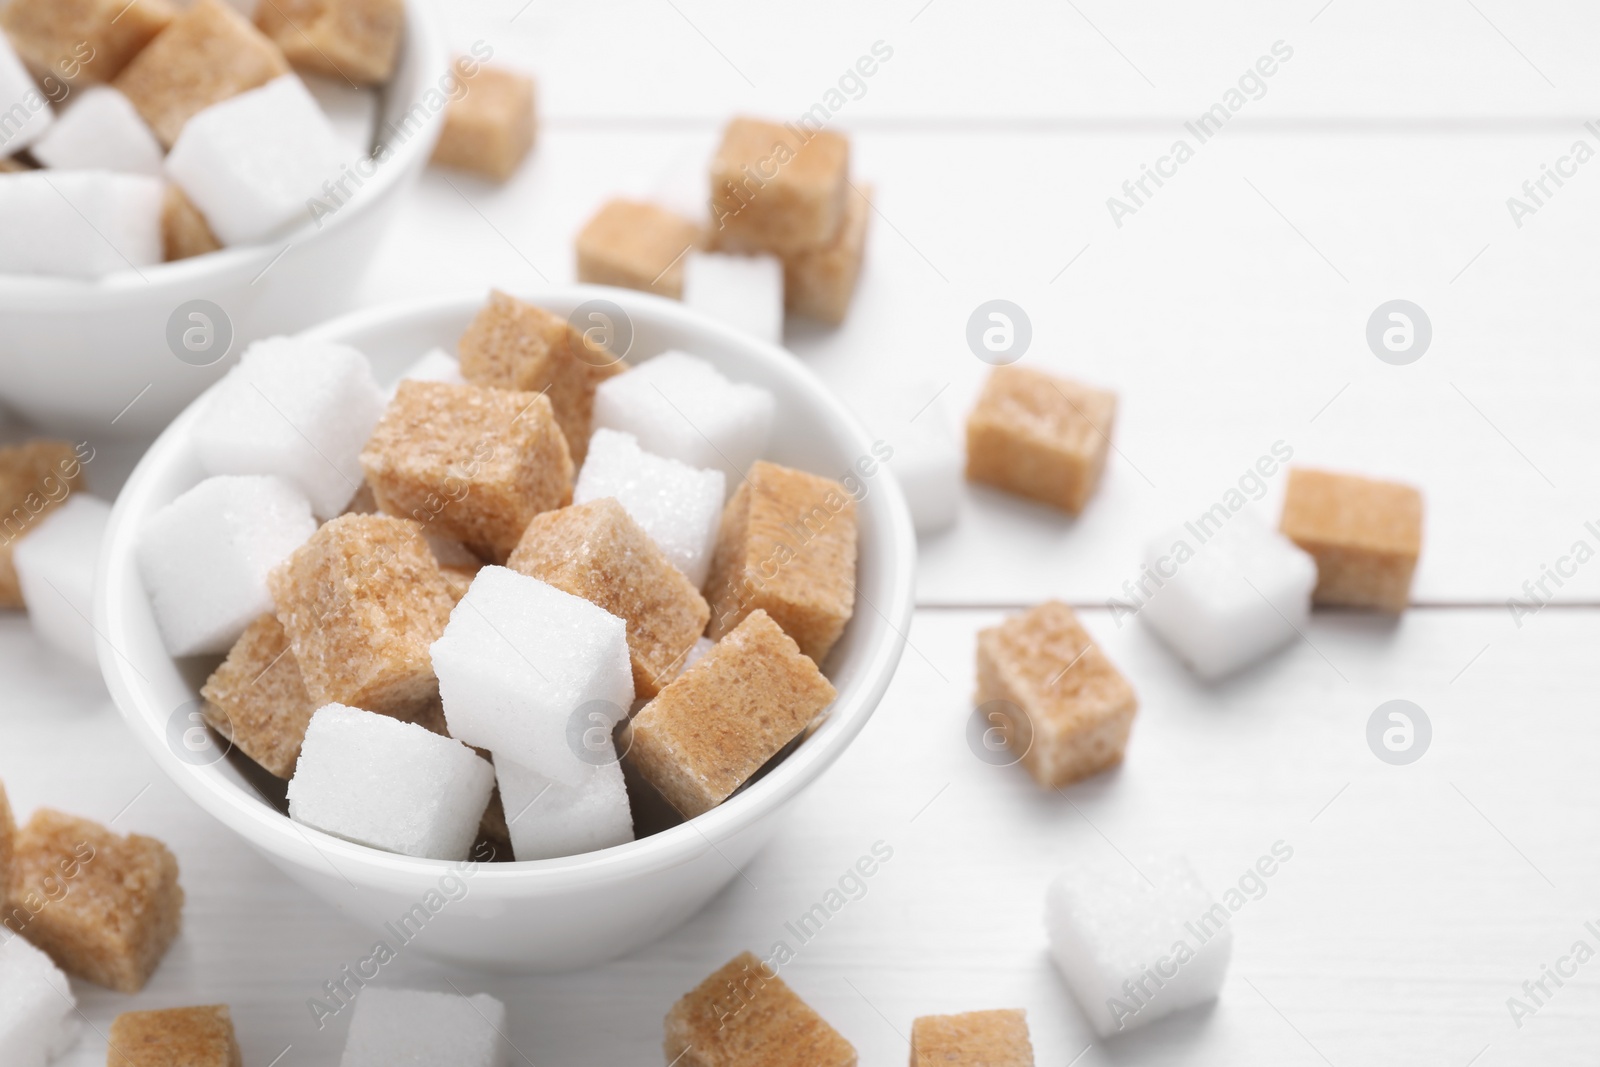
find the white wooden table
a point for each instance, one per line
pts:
(1229, 313)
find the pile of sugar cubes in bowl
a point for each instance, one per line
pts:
(513, 600)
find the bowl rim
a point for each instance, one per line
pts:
(271, 831)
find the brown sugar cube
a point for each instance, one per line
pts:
(35, 477)
(104, 907)
(714, 725)
(1058, 700)
(1365, 535)
(207, 54)
(973, 1039)
(778, 188)
(184, 231)
(468, 463)
(8, 842)
(598, 552)
(1040, 436)
(82, 41)
(353, 40)
(744, 1015)
(636, 246)
(13, 166)
(175, 1037)
(787, 546)
(513, 345)
(257, 698)
(361, 602)
(819, 282)
(491, 127)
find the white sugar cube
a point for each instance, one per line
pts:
(679, 406)
(405, 1026)
(100, 129)
(436, 365)
(352, 111)
(927, 456)
(678, 506)
(390, 784)
(205, 557)
(295, 408)
(79, 223)
(521, 667)
(253, 163)
(38, 1021)
(1225, 597)
(25, 114)
(547, 819)
(55, 567)
(1132, 949)
(746, 292)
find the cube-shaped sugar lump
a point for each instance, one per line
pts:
(778, 188)
(38, 1016)
(820, 282)
(100, 129)
(522, 668)
(35, 477)
(8, 836)
(79, 223)
(354, 40)
(1223, 596)
(1061, 705)
(596, 551)
(1137, 944)
(678, 506)
(27, 111)
(637, 246)
(744, 1014)
(1365, 535)
(395, 1026)
(206, 556)
(259, 162)
(972, 1039)
(491, 127)
(184, 231)
(257, 697)
(352, 111)
(123, 907)
(546, 819)
(435, 365)
(679, 406)
(1040, 436)
(922, 444)
(82, 41)
(295, 408)
(55, 567)
(468, 463)
(208, 53)
(389, 784)
(716, 724)
(514, 345)
(361, 602)
(175, 1037)
(787, 546)
(746, 292)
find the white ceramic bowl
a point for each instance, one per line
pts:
(549, 914)
(75, 353)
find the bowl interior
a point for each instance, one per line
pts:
(812, 431)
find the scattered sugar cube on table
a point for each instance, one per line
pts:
(1064, 709)
(1137, 944)
(681, 407)
(637, 245)
(352, 40)
(820, 282)
(420, 1029)
(352, 111)
(490, 128)
(174, 1037)
(55, 566)
(522, 666)
(184, 231)
(468, 463)
(295, 408)
(79, 223)
(546, 819)
(596, 551)
(1225, 597)
(746, 292)
(84, 41)
(716, 724)
(35, 477)
(38, 1017)
(257, 697)
(206, 556)
(972, 1039)
(100, 130)
(389, 784)
(743, 1013)
(121, 912)
(1040, 436)
(1365, 535)
(778, 188)
(787, 546)
(27, 110)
